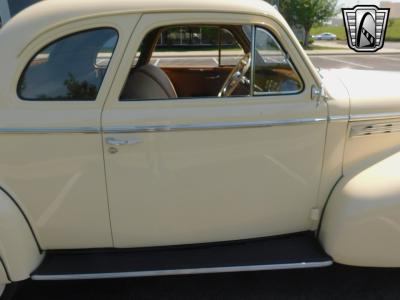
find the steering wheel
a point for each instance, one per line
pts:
(236, 76)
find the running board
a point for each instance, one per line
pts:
(294, 251)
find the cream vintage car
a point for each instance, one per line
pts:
(125, 155)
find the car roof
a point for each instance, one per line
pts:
(49, 12)
(45, 15)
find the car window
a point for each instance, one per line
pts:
(71, 68)
(273, 70)
(16, 6)
(196, 46)
(187, 61)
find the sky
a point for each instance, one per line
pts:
(351, 3)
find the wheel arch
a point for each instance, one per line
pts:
(361, 221)
(20, 252)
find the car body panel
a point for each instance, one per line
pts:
(212, 184)
(52, 159)
(360, 224)
(19, 250)
(338, 102)
(202, 170)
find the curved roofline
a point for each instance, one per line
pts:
(78, 9)
(46, 15)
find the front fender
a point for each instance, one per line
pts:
(19, 251)
(361, 223)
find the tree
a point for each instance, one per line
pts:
(307, 13)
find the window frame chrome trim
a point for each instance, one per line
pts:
(211, 270)
(252, 61)
(338, 118)
(289, 60)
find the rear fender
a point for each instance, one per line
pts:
(19, 251)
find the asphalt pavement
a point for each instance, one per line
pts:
(387, 62)
(337, 282)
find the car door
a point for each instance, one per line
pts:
(206, 169)
(51, 157)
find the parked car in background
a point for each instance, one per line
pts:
(327, 36)
(9, 8)
(115, 163)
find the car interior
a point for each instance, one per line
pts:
(190, 80)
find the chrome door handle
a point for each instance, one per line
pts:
(117, 142)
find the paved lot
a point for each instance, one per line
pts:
(337, 282)
(362, 62)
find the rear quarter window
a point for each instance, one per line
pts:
(71, 68)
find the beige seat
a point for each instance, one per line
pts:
(148, 82)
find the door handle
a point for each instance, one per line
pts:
(118, 142)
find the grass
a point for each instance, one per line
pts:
(392, 34)
(393, 31)
(314, 47)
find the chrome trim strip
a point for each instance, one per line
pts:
(41, 130)
(375, 116)
(211, 126)
(339, 118)
(302, 265)
(253, 60)
(155, 128)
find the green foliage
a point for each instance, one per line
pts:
(307, 13)
(393, 31)
(80, 90)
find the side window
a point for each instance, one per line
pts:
(196, 46)
(230, 49)
(188, 61)
(72, 68)
(185, 61)
(273, 71)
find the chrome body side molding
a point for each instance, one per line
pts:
(210, 270)
(174, 127)
(211, 126)
(41, 130)
(338, 118)
(375, 116)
